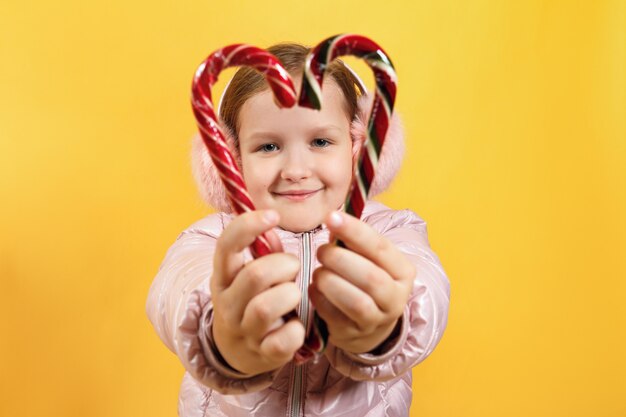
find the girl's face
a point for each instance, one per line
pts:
(297, 161)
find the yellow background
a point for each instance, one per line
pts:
(515, 124)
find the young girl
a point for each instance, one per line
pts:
(384, 299)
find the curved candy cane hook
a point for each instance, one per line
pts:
(384, 99)
(205, 77)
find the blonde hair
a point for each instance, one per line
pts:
(247, 82)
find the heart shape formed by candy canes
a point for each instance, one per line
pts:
(310, 96)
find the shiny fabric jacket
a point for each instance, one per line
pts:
(338, 383)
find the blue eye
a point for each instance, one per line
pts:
(268, 147)
(320, 143)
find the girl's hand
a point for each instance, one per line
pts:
(361, 292)
(250, 300)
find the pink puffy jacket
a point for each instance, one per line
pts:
(336, 384)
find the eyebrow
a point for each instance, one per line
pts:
(328, 127)
(261, 134)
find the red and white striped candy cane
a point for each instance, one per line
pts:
(205, 77)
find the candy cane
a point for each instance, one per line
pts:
(285, 95)
(378, 123)
(205, 77)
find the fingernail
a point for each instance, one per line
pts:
(270, 216)
(335, 219)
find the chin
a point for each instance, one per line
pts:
(296, 225)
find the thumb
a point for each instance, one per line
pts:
(239, 234)
(275, 244)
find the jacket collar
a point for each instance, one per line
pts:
(283, 234)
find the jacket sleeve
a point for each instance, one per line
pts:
(179, 307)
(425, 315)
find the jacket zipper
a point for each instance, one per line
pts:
(298, 375)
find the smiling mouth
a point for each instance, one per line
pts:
(297, 195)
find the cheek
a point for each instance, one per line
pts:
(339, 169)
(257, 173)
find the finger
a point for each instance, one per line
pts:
(363, 239)
(258, 276)
(274, 241)
(237, 236)
(281, 344)
(349, 299)
(262, 312)
(362, 273)
(338, 324)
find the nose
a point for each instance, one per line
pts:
(297, 165)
